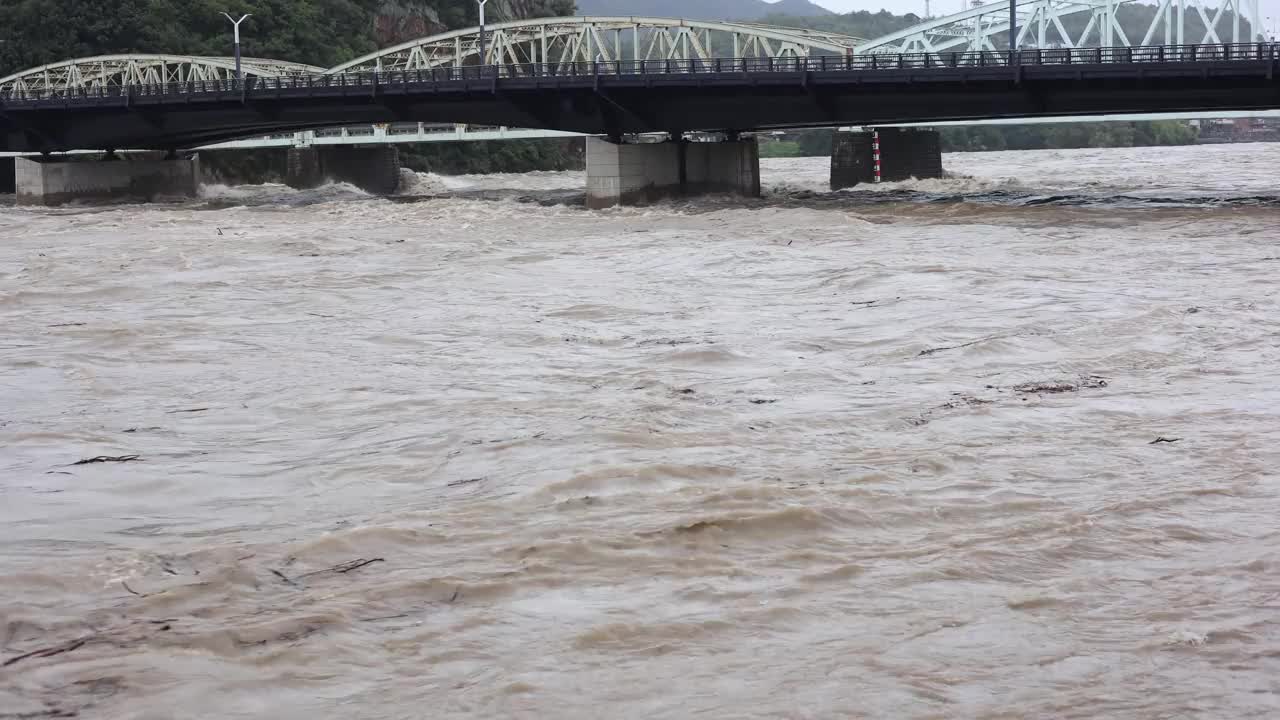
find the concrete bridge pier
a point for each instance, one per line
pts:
(904, 153)
(640, 173)
(375, 170)
(141, 176)
(6, 176)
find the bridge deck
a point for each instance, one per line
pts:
(628, 97)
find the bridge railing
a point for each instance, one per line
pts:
(786, 64)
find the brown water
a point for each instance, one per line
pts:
(890, 453)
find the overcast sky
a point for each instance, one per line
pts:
(1270, 8)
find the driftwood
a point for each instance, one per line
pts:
(345, 567)
(47, 652)
(930, 351)
(108, 458)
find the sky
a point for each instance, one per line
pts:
(1270, 8)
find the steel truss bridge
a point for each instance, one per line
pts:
(1046, 24)
(614, 75)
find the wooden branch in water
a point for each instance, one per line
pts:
(50, 713)
(108, 458)
(359, 563)
(930, 351)
(46, 652)
(284, 577)
(345, 567)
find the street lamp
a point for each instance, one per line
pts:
(481, 4)
(1013, 27)
(236, 23)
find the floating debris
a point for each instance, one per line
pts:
(107, 459)
(47, 652)
(1053, 387)
(343, 568)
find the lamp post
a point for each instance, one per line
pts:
(1013, 26)
(236, 24)
(481, 4)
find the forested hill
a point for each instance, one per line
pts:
(861, 24)
(317, 32)
(702, 9)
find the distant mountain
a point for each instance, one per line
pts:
(702, 9)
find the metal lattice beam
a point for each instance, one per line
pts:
(1040, 25)
(557, 41)
(121, 70)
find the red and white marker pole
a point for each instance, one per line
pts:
(875, 156)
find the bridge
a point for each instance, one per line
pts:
(625, 97)
(619, 76)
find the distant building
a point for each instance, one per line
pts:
(1222, 130)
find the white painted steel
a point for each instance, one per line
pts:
(558, 41)
(121, 70)
(1040, 25)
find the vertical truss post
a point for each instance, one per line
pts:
(481, 3)
(1013, 26)
(1043, 24)
(1106, 25)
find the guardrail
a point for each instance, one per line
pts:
(1161, 54)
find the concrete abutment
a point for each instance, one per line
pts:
(375, 170)
(39, 181)
(904, 153)
(641, 173)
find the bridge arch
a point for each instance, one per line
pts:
(587, 39)
(1092, 23)
(138, 69)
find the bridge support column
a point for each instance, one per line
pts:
(375, 170)
(640, 173)
(904, 153)
(7, 176)
(302, 169)
(131, 177)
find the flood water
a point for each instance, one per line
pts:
(1002, 445)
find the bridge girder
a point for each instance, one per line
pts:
(140, 69)
(1040, 25)
(562, 40)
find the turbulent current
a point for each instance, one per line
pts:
(1002, 445)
